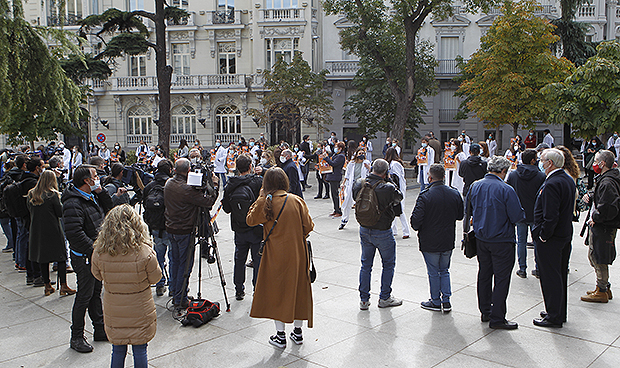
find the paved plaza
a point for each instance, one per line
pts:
(34, 329)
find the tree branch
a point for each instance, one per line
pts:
(144, 14)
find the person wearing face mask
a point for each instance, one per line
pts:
(76, 160)
(194, 157)
(396, 146)
(104, 153)
(336, 161)
(513, 154)
(115, 186)
(300, 162)
(221, 153)
(368, 145)
(262, 142)
(357, 168)
(492, 144)
(530, 140)
(85, 204)
(589, 152)
(93, 150)
(397, 174)
(118, 154)
(291, 170)
(425, 158)
(464, 144)
(471, 169)
(388, 144)
(142, 150)
(613, 142)
(66, 157)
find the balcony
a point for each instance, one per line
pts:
(341, 68)
(68, 20)
(447, 115)
(224, 17)
(227, 138)
(176, 138)
(179, 82)
(447, 67)
(137, 138)
(587, 11)
(282, 15)
(543, 9)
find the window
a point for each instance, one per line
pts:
(226, 52)
(180, 3)
(449, 47)
(227, 119)
(449, 106)
(139, 121)
(281, 4)
(180, 58)
(69, 14)
(137, 66)
(135, 5)
(281, 47)
(183, 120)
(226, 5)
(94, 6)
(446, 135)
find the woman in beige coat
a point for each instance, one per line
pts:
(283, 292)
(124, 260)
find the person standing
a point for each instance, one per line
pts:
(104, 153)
(84, 205)
(357, 168)
(589, 151)
(436, 145)
(292, 172)
(285, 262)
(336, 161)
(548, 138)
(605, 219)
(434, 218)
(115, 186)
(321, 146)
(183, 150)
(220, 161)
(368, 145)
(388, 144)
(124, 260)
(526, 181)
(530, 140)
(471, 169)
(379, 236)
(492, 144)
(397, 173)
(552, 234)
(239, 195)
(306, 148)
(495, 209)
(425, 158)
(118, 154)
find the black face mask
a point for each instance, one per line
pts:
(361, 157)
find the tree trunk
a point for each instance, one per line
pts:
(515, 129)
(499, 143)
(400, 120)
(164, 78)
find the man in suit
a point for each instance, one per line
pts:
(306, 147)
(289, 167)
(552, 234)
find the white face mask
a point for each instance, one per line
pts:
(117, 147)
(263, 161)
(282, 159)
(424, 144)
(453, 147)
(95, 186)
(194, 160)
(460, 139)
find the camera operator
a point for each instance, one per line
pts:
(239, 194)
(115, 186)
(55, 164)
(183, 204)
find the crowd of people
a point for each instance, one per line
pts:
(74, 210)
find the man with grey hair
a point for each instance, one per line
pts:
(434, 218)
(379, 236)
(552, 234)
(495, 209)
(183, 204)
(289, 167)
(603, 225)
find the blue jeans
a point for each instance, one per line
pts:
(437, 267)
(522, 244)
(372, 240)
(8, 232)
(182, 251)
(421, 174)
(21, 248)
(162, 244)
(247, 241)
(223, 179)
(119, 352)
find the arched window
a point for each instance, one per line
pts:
(139, 121)
(183, 120)
(228, 120)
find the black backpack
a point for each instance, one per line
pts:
(238, 204)
(14, 201)
(6, 180)
(367, 212)
(154, 208)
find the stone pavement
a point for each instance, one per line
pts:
(34, 329)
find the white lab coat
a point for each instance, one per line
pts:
(398, 169)
(220, 160)
(492, 144)
(348, 186)
(424, 167)
(549, 140)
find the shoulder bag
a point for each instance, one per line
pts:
(262, 244)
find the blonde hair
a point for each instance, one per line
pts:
(47, 185)
(123, 230)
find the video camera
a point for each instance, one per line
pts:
(200, 176)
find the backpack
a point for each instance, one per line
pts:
(6, 180)
(14, 201)
(200, 311)
(367, 212)
(154, 208)
(238, 204)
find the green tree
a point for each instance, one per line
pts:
(38, 101)
(130, 36)
(572, 34)
(374, 106)
(501, 82)
(296, 95)
(589, 98)
(372, 37)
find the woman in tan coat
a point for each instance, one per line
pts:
(124, 260)
(283, 292)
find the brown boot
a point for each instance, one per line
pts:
(597, 296)
(66, 290)
(49, 289)
(609, 294)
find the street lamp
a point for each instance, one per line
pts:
(202, 122)
(105, 124)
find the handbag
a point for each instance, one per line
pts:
(312, 269)
(262, 243)
(469, 244)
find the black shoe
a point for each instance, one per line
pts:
(38, 282)
(80, 345)
(308, 186)
(250, 264)
(170, 293)
(239, 295)
(530, 245)
(545, 322)
(342, 225)
(535, 274)
(318, 196)
(522, 274)
(160, 290)
(326, 197)
(485, 317)
(508, 325)
(446, 307)
(29, 280)
(100, 335)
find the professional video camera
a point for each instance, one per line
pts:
(201, 177)
(137, 179)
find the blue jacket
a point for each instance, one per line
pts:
(294, 185)
(336, 162)
(495, 209)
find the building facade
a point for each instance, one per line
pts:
(219, 53)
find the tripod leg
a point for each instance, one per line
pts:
(219, 266)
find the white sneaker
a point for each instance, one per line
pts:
(364, 305)
(390, 302)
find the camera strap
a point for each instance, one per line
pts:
(262, 244)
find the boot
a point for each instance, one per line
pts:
(49, 289)
(66, 290)
(597, 296)
(609, 295)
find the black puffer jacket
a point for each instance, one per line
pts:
(387, 195)
(472, 169)
(606, 210)
(527, 180)
(83, 218)
(239, 194)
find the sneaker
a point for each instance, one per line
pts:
(390, 302)
(7, 250)
(530, 245)
(278, 340)
(239, 295)
(364, 305)
(160, 290)
(29, 280)
(429, 305)
(535, 273)
(522, 274)
(38, 282)
(297, 337)
(446, 307)
(337, 215)
(20, 269)
(250, 264)
(342, 225)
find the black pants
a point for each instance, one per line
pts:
(88, 297)
(62, 272)
(322, 183)
(495, 263)
(305, 169)
(590, 174)
(334, 186)
(552, 257)
(247, 241)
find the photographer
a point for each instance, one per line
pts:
(115, 186)
(239, 194)
(183, 204)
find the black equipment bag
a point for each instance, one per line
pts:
(154, 208)
(200, 311)
(14, 201)
(469, 246)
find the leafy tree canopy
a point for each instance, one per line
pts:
(501, 82)
(590, 97)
